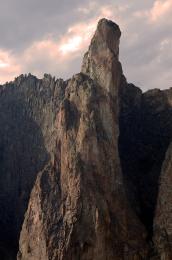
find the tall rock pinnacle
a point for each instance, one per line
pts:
(101, 61)
(78, 208)
(85, 168)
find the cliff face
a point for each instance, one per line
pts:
(145, 135)
(82, 159)
(93, 219)
(28, 108)
(163, 214)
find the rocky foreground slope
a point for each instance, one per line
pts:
(85, 168)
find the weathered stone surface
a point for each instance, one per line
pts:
(163, 216)
(101, 61)
(28, 108)
(91, 150)
(84, 183)
(145, 134)
(92, 219)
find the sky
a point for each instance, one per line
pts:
(40, 36)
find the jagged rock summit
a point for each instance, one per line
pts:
(84, 182)
(81, 162)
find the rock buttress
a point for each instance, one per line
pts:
(78, 208)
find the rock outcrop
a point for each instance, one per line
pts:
(84, 183)
(145, 134)
(81, 163)
(28, 109)
(163, 216)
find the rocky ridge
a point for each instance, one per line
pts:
(81, 163)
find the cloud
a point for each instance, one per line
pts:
(40, 37)
(8, 66)
(23, 22)
(56, 55)
(47, 41)
(91, 6)
(145, 47)
(73, 44)
(62, 56)
(77, 37)
(160, 9)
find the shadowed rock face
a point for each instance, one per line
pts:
(145, 135)
(82, 159)
(23, 154)
(27, 115)
(163, 214)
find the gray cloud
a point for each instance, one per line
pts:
(23, 21)
(144, 60)
(145, 50)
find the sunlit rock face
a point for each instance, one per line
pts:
(101, 61)
(84, 182)
(81, 173)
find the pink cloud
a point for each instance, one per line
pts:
(39, 49)
(55, 55)
(160, 9)
(71, 45)
(8, 66)
(76, 38)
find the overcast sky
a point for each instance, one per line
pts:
(41, 36)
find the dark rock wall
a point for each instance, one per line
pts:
(163, 214)
(27, 115)
(145, 135)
